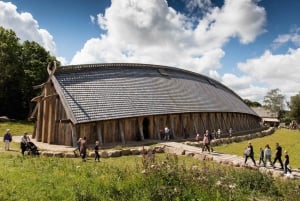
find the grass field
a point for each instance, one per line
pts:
(16, 128)
(288, 139)
(132, 178)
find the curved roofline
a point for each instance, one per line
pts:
(156, 66)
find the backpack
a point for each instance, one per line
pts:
(247, 152)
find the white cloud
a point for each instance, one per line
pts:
(293, 37)
(93, 19)
(151, 32)
(25, 26)
(275, 71)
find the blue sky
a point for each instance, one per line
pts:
(251, 46)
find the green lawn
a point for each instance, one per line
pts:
(131, 178)
(288, 139)
(16, 128)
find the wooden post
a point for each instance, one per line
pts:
(39, 123)
(140, 122)
(51, 121)
(99, 133)
(45, 115)
(74, 135)
(172, 126)
(121, 131)
(157, 127)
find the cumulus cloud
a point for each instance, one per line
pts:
(152, 32)
(275, 71)
(25, 26)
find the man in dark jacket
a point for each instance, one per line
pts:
(278, 154)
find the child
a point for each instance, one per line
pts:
(261, 156)
(286, 163)
(97, 156)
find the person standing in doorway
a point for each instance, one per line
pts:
(278, 153)
(97, 155)
(167, 133)
(7, 139)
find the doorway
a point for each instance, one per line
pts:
(146, 128)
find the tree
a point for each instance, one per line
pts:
(295, 107)
(252, 104)
(21, 67)
(11, 74)
(34, 61)
(274, 101)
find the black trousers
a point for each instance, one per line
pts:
(280, 161)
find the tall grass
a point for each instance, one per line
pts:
(288, 139)
(166, 177)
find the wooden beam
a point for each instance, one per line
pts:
(121, 131)
(99, 133)
(39, 86)
(50, 96)
(74, 135)
(37, 99)
(140, 122)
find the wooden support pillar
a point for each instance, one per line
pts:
(121, 131)
(157, 127)
(51, 121)
(74, 135)
(140, 122)
(45, 128)
(99, 133)
(39, 122)
(194, 123)
(172, 126)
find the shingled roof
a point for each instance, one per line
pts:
(97, 92)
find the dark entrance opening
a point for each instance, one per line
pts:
(146, 128)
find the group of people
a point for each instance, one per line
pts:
(166, 134)
(82, 148)
(266, 156)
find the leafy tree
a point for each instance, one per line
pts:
(22, 66)
(274, 100)
(295, 107)
(11, 74)
(252, 104)
(34, 61)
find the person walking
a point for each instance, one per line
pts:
(286, 163)
(83, 148)
(205, 142)
(78, 143)
(278, 154)
(261, 156)
(96, 149)
(267, 155)
(7, 139)
(249, 153)
(210, 138)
